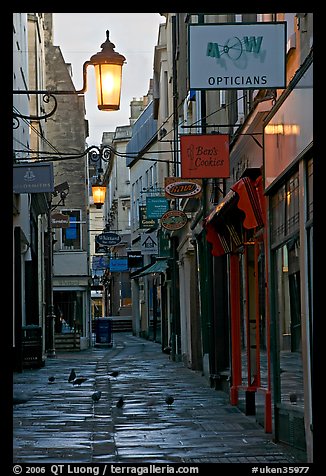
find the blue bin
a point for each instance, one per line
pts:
(103, 331)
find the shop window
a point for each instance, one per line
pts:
(285, 210)
(71, 236)
(310, 247)
(125, 293)
(68, 309)
(278, 215)
(96, 308)
(288, 309)
(310, 175)
(252, 314)
(292, 204)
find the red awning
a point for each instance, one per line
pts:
(249, 202)
(222, 225)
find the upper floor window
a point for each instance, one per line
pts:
(71, 236)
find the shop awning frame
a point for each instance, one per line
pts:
(222, 224)
(160, 266)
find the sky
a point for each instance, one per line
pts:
(135, 35)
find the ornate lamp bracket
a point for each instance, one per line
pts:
(47, 97)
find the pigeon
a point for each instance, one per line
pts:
(96, 396)
(169, 399)
(151, 402)
(72, 375)
(79, 380)
(293, 397)
(20, 398)
(120, 402)
(51, 379)
(115, 373)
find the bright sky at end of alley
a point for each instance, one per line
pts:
(135, 35)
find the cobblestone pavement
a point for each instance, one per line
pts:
(60, 422)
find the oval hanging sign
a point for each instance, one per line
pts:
(108, 239)
(174, 220)
(183, 189)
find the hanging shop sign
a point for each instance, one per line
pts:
(144, 221)
(149, 243)
(59, 220)
(33, 178)
(118, 265)
(174, 220)
(101, 248)
(205, 156)
(237, 56)
(135, 259)
(164, 243)
(156, 206)
(182, 188)
(100, 263)
(108, 239)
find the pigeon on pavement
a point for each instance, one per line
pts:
(72, 375)
(51, 379)
(293, 397)
(20, 398)
(96, 396)
(120, 402)
(79, 380)
(169, 399)
(151, 402)
(115, 373)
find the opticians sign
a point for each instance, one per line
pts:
(237, 56)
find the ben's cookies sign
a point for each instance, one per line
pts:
(205, 156)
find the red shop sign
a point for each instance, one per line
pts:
(205, 156)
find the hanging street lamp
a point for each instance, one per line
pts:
(98, 191)
(108, 74)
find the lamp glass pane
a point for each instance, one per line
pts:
(108, 85)
(98, 194)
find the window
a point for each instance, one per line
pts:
(125, 291)
(68, 310)
(165, 87)
(129, 218)
(285, 210)
(310, 174)
(147, 180)
(71, 236)
(288, 312)
(155, 182)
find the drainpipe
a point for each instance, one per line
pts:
(50, 316)
(175, 297)
(18, 354)
(206, 275)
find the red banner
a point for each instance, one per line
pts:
(205, 156)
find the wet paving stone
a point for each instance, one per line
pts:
(60, 421)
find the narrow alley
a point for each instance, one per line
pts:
(58, 421)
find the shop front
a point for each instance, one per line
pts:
(72, 325)
(288, 184)
(236, 228)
